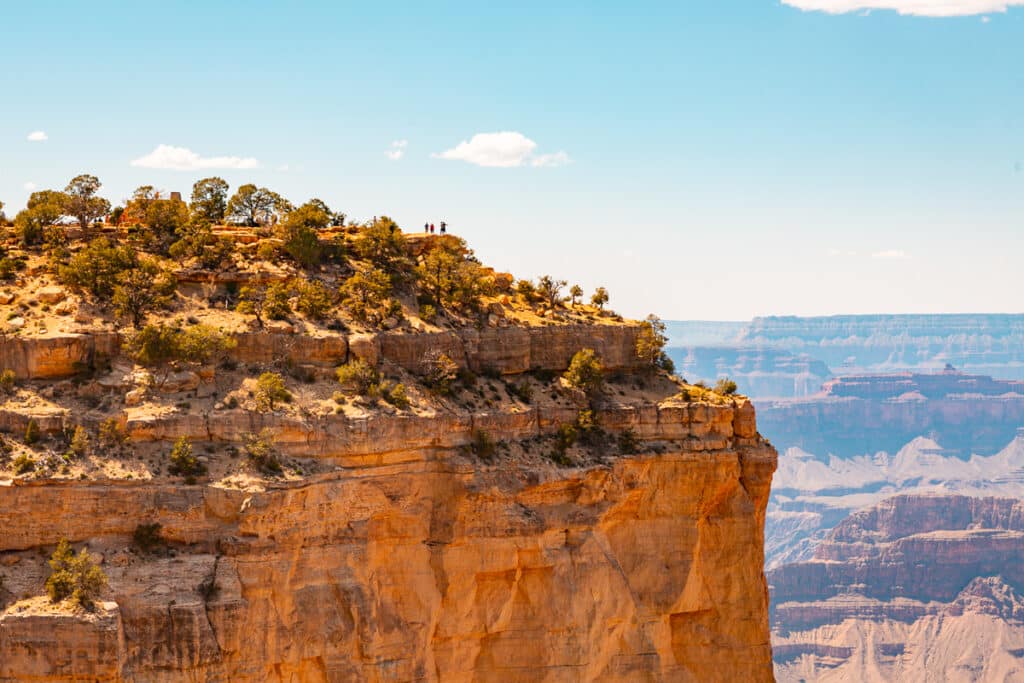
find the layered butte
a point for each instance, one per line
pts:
(462, 537)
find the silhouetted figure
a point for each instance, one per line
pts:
(444, 226)
(426, 227)
(431, 228)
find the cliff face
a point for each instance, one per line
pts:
(399, 555)
(914, 588)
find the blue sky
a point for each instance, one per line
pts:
(702, 160)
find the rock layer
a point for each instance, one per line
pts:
(649, 569)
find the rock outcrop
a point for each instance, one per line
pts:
(399, 555)
(914, 588)
(436, 569)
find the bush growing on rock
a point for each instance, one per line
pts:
(147, 537)
(210, 199)
(439, 371)
(575, 292)
(396, 396)
(725, 387)
(365, 295)
(24, 464)
(629, 443)
(452, 275)
(550, 290)
(314, 299)
(271, 390)
(261, 451)
(160, 346)
(357, 377)
(31, 431)
(299, 234)
(82, 202)
(74, 576)
(80, 442)
(183, 461)
(197, 241)
(111, 434)
(8, 382)
(142, 289)
(95, 268)
(585, 372)
(254, 206)
(43, 210)
(164, 220)
(650, 344)
(271, 301)
(600, 297)
(482, 445)
(383, 245)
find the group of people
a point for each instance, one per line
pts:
(429, 227)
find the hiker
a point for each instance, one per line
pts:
(426, 227)
(443, 226)
(431, 228)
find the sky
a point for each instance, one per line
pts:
(709, 160)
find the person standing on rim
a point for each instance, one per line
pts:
(431, 228)
(444, 226)
(426, 227)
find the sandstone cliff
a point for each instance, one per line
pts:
(509, 529)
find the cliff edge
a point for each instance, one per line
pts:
(489, 521)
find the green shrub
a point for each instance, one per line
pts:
(24, 464)
(650, 344)
(397, 396)
(521, 390)
(428, 313)
(74, 577)
(147, 537)
(299, 233)
(629, 443)
(271, 390)
(95, 269)
(725, 387)
(79, 446)
(183, 460)
(482, 445)
(585, 372)
(314, 299)
(8, 382)
(111, 433)
(277, 306)
(439, 371)
(261, 451)
(31, 431)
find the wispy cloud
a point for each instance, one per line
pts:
(37, 136)
(556, 159)
(30, 186)
(841, 252)
(920, 8)
(396, 150)
(891, 255)
(506, 149)
(183, 159)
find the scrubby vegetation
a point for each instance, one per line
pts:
(172, 294)
(74, 576)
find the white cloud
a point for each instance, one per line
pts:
(37, 136)
(396, 150)
(506, 149)
(183, 159)
(30, 186)
(891, 255)
(556, 159)
(920, 8)
(841, 252)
